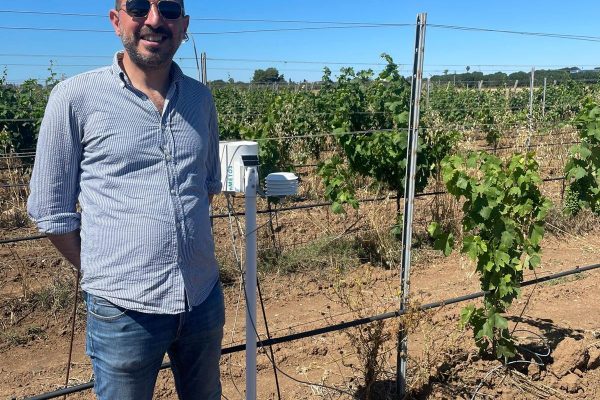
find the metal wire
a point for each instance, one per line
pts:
(351, 24)
(207, 33)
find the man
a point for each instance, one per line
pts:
(136, 145)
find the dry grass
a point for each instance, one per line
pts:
(13, 198)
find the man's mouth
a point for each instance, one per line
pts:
(153, 38)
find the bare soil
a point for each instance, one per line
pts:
(443, 363)
(318, 270)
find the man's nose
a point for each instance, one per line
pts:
(154, 19)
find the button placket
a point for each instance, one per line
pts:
(172, 173)
(171, 176)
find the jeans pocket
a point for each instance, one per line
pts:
(103, 309)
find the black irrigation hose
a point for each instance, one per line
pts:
(22, 239)
(306, 206)
(335, 328)
(15, 185)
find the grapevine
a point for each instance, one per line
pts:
(379, 152)
(583, 167)
(503, 226)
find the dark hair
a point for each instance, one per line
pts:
(118, 5)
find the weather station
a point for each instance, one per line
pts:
(239, 174)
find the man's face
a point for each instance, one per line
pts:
(151, 41)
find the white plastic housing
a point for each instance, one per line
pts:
(232, 167)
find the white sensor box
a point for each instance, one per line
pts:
(233, 171)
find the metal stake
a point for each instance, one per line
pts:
(409, 194)
(544, 99)
(428, 90)
(530, 108)
(203, 62)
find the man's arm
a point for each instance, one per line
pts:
(213, 165)
(69, 245)
(52, 203)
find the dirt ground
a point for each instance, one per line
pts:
(562, 317)
(330, 270)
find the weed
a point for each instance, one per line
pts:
(372, 342)
(56, 297)
(441, 344)
(378, 249)
(559, 223)
(378, 244)
(566, 279)
(324, 253)
(13, 337)
(13, 201)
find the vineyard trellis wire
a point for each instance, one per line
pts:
(281, 209)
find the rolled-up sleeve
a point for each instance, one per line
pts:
(54, 186)
(213, 166)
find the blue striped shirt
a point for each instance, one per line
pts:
(142, 180)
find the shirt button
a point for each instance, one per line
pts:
(173, 192)
(168, 158)
(177, 225)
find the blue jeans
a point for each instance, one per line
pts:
(127, 349)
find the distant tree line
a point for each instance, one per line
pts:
(523, 78)
(497, 79)
(261, 76)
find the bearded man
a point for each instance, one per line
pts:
(135, 145)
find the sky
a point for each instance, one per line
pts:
(299, 53)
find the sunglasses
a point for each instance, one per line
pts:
(141, 8)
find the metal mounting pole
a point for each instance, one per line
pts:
(409, 195)
(203, 63)
(250, 281)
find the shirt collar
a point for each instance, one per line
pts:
(176, 74)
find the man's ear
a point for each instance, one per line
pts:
(186, 22)
(114, 20)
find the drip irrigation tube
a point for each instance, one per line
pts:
(302, 207)
(334, 328)
(21, 239)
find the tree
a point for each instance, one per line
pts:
(269, 75)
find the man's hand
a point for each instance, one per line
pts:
(69, 245)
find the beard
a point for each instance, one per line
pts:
(150, 58)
